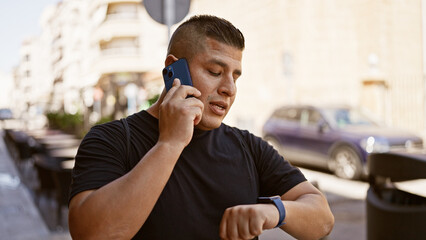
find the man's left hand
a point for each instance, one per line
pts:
(248, 221)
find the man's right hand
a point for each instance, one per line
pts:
(178, 114)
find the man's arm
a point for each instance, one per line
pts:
(308, 216)
(119, 209)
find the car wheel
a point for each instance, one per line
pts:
(345, 163)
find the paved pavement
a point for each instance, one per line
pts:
(21, 219)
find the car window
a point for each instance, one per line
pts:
(304, 117)
(342, 117)
(314, 117)
(310, 117)
(288, 114)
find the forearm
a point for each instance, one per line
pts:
(119, 209)
(308, 217)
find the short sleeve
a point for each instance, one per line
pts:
(276, 175)
(100, 158)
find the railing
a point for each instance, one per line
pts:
(121, 16)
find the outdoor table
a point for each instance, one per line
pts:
(54, 138)
(63, 143)
(40, 133)
(63, 153)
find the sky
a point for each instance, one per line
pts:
(18, 19)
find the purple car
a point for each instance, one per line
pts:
(335, 138)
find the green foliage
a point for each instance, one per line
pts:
(153, 99)
(74, 123)
(104, 120)
(68, 123)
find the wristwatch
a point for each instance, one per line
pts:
(276, 200)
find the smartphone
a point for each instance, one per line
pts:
(178, 69)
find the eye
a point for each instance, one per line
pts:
(214, 73)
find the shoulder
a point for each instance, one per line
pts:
(255, 144)
(116, 129)
(241, 133)
(107, 130)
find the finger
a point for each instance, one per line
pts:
(172, 90)
(222, 226)
(176, 82)
(255, 227)
(243, 229)
(184, 91)
(232, 227)
(194, 111)
(198, 117)
(194, 102)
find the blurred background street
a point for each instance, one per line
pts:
(328, 83)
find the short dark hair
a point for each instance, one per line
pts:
(197, 28)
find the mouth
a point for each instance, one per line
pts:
(219, 108)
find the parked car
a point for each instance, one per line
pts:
(335, 138)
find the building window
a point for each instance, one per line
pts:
(122, 11)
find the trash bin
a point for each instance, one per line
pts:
(391, 212)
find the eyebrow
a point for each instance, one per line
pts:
(224, 65)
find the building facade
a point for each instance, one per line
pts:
(99, 58)
(106, 56)
(362, 53)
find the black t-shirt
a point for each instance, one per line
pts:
(220, 168)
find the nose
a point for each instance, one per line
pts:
(227, 86)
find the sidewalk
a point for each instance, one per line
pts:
(20, 219)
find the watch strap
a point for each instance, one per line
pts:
(276, 200)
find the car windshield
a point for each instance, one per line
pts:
(344, 117)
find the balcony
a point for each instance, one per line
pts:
(114, 59)
(122, 16)
(114, 64)
(121, 27)
(95, 4)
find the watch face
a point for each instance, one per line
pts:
(267, 199)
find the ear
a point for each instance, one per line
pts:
(170, 59)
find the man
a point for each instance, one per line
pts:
(176, 181)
